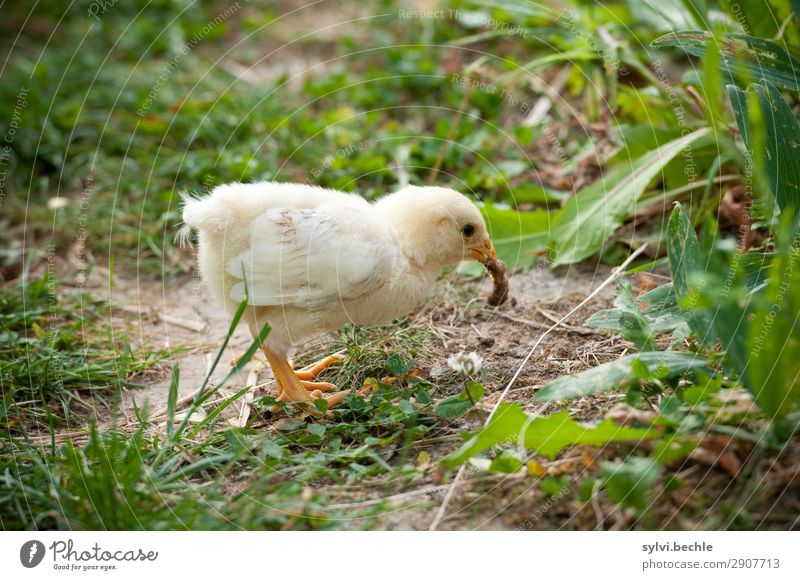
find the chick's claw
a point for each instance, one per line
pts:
(312, 386)
(312, 371)
(337, 398)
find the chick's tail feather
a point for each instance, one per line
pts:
(200, 213)
(185, 231)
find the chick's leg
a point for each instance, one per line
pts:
(292, 389)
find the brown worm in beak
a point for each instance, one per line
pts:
(497, 270)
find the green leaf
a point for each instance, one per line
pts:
(660, 308)
(777, 146)
(686, 259)
(616, 374)
(672, 449)
(705, 388)
(627, 483)
(640, 139)
(516, 236)
(755, 267)
(457, 405)
(534, 193)
(316, 429)
(554, 486)
(744, 56)
(272, 449)
(698, 10)
(406, 407)
(546, 436)
(321, 404)
(773, 341)
(754, 15)
(710, 85)
(626, 318)
(507, 461)
(397, 366)
(589, 218)
(511, 167)
(640, 370)
(713, 312)
(685, 256)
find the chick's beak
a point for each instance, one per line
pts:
(483, 252)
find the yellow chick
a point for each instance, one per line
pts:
(314, 259)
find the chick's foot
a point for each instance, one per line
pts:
(311, 372)
(293, 389)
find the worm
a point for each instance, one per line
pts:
(497, 270)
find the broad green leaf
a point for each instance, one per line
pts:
(534, 193)
(321, 404)
(755, 267)
(774, 340)
(753, 15)
(664, 15)
(640, 139)
(317, 429)
(588, 218)
(713, 310)
(554, 486)
(457, 405)
(511, 168)
(726, 309)
(627, 483)
(698, 10)
(271, 449)
(684, 251)
(685, 259)
(780, 140)
(626, 318)
(660, 308)
(618, 373)
(507, 461)
(744, 56)
(657, 299)
(711, 85)
(704, 389)
(672, 449)
(545, 436)
(516, 235)
(397, 366)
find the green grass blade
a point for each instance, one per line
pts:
(172, 399)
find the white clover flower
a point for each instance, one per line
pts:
(466, 363)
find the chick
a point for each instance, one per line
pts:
(310, 260)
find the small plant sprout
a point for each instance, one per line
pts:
(467, 364)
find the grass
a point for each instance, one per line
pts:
(61, 356)
(150, 477)
(106, 119)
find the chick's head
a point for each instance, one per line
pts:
(437, 226)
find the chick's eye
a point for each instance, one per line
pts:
(468, 230)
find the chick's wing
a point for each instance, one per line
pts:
(311, 258)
